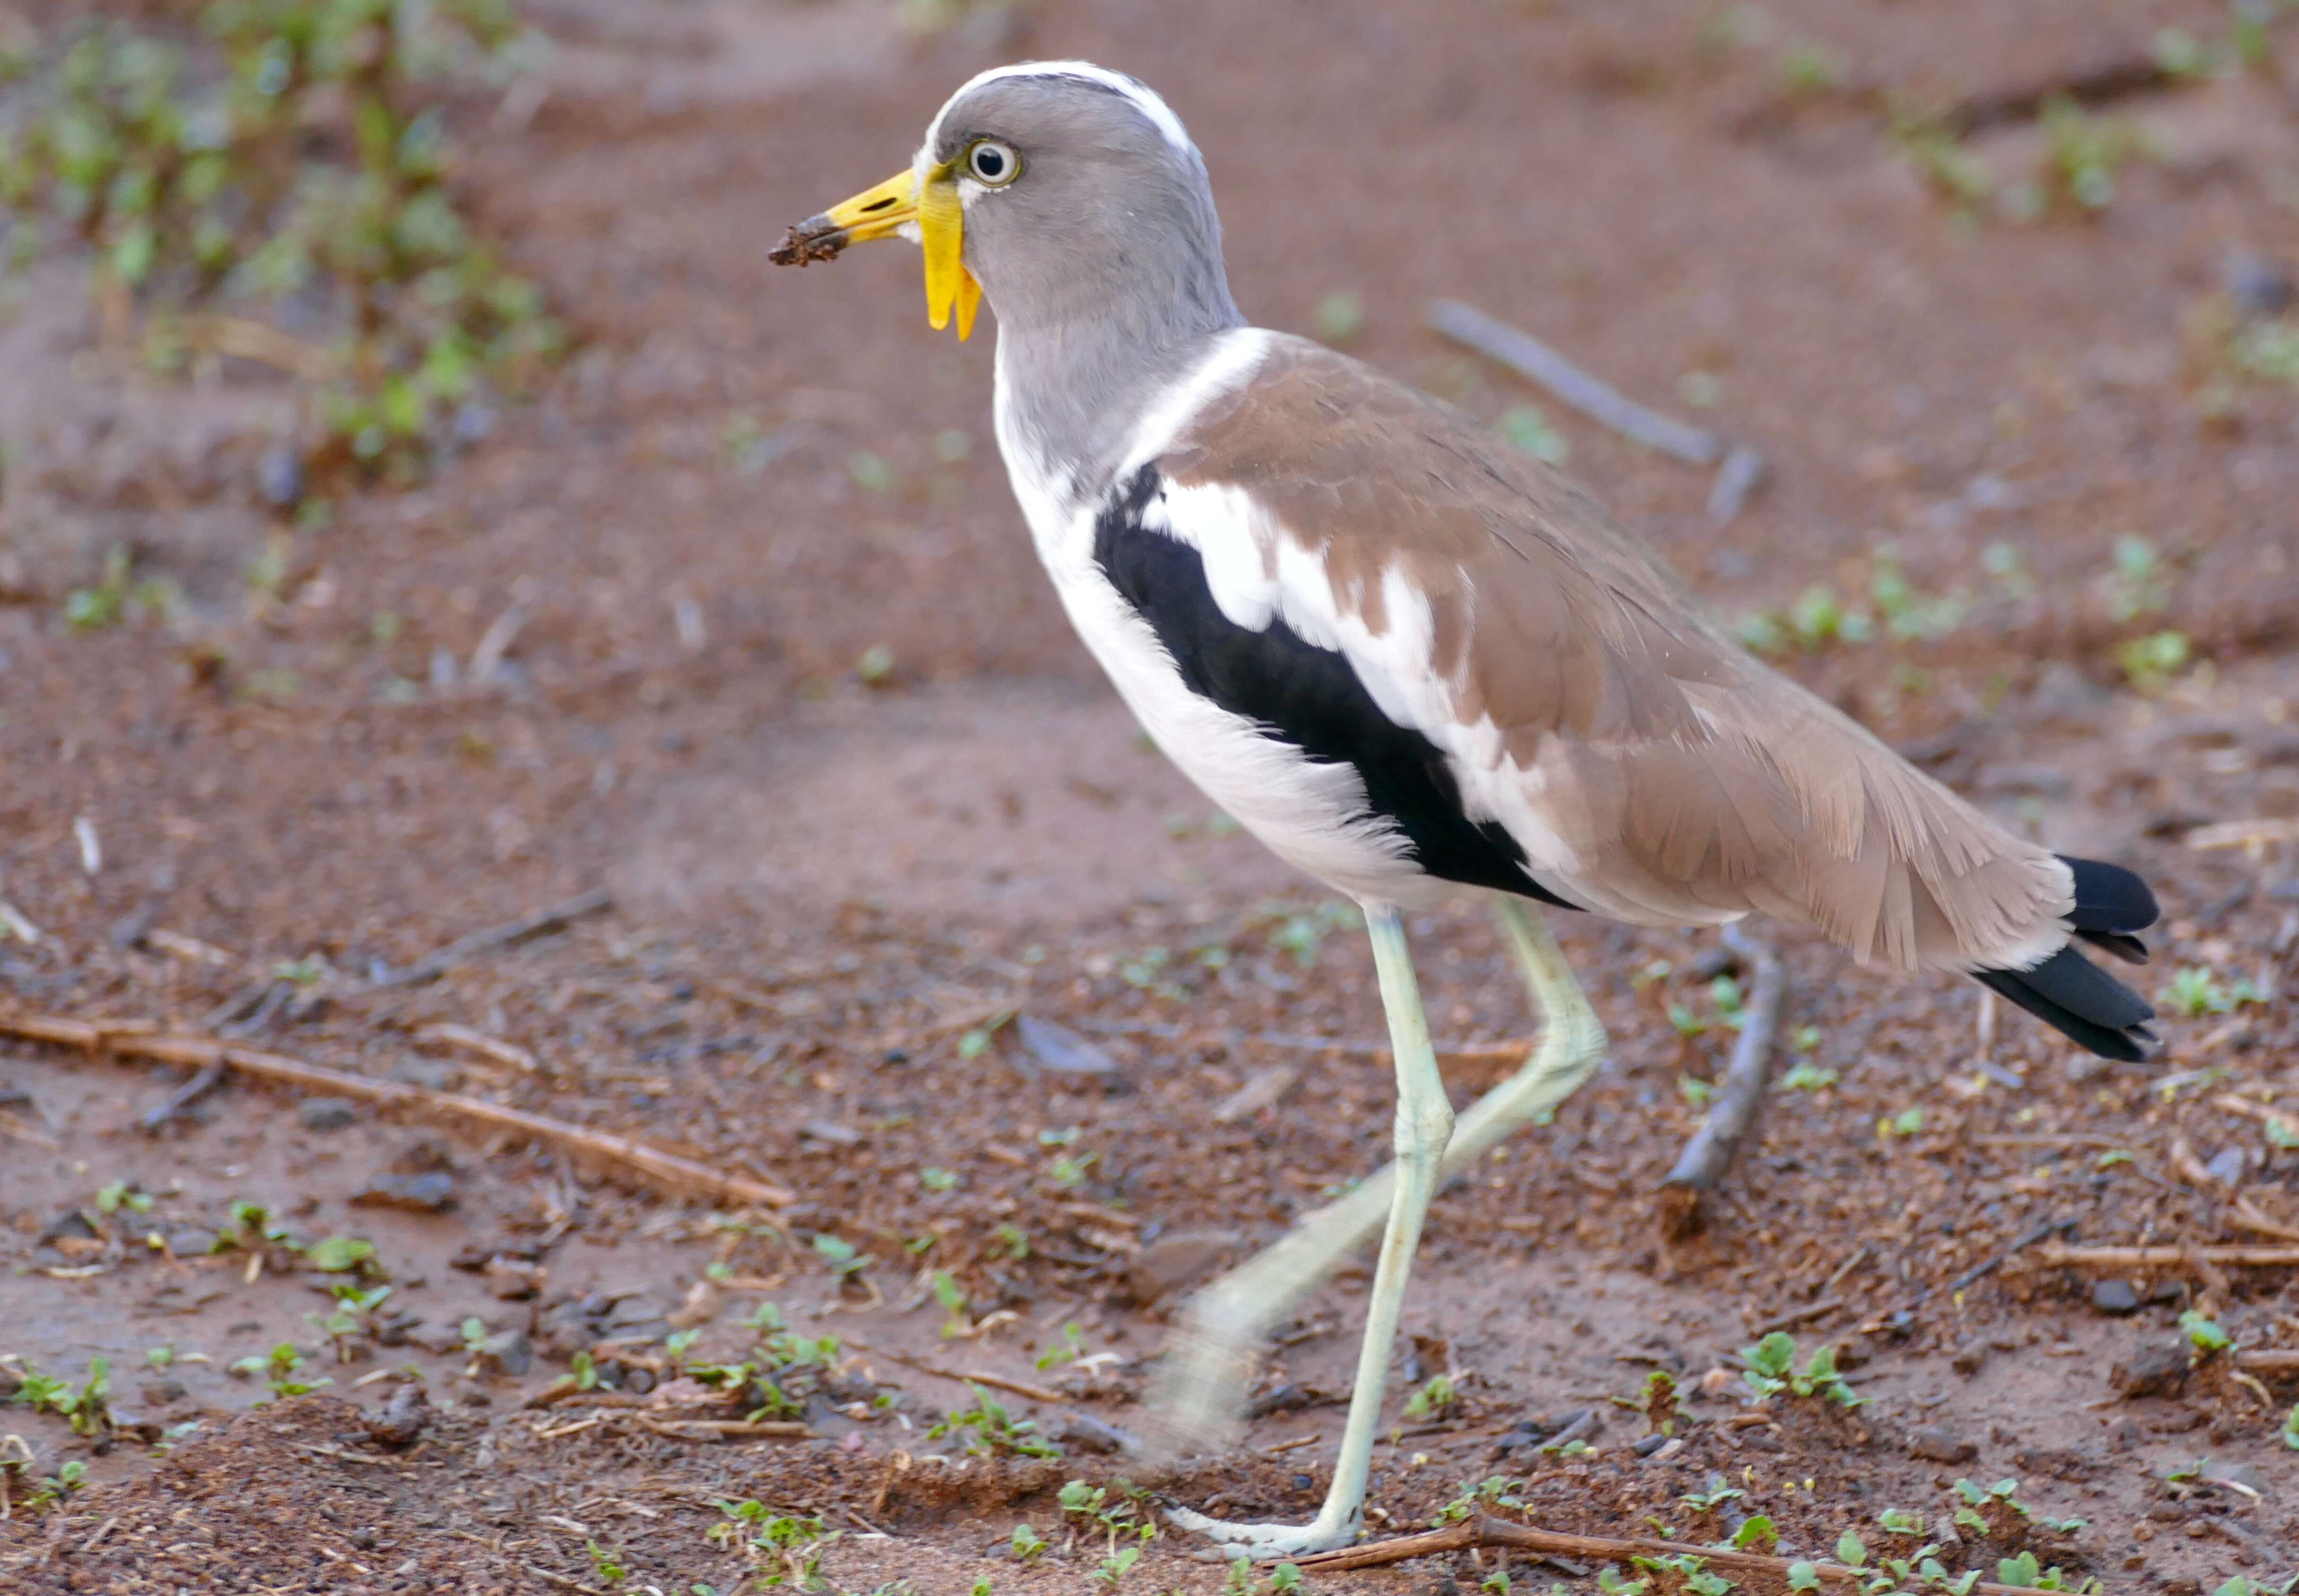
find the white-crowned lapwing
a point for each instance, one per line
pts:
(1418, 664)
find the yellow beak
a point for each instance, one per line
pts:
(901, 201)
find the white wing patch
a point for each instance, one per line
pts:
(1260, 573)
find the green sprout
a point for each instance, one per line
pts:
(2196, 993)
(1772, 1369)
(1434, 1397)
(986, 1429)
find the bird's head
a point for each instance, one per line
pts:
(1053, 186)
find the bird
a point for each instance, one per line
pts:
(1419, 664)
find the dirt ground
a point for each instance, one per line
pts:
(827, 895)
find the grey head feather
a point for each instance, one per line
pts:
(1101, 260)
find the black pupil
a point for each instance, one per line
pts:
(989, 164)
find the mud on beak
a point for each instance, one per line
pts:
(910, 204)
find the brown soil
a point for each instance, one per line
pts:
(823, 889)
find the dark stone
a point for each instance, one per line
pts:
(1288, 1398)
(439, 1339)
(279, 477)
(70, 1224)
(2259, 286)
(192, 1241)
(161, 1390)
(434, 1192)
(2152, 1371)
(509, 1350)
(1649, 1445)
(1934, 1444)
(1088, 1433)
(327, 1113)
(1968, 1359)
(402, 1416)
(2115, 1297)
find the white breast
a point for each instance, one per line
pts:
(1310, 814)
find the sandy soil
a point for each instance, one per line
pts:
(824, 892)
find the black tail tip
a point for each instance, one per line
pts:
(2110, 905)
(2081, 1001)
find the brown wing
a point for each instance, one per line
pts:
(1653, 770)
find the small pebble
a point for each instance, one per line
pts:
(2115, 1297)
(1934, 1444)
(279, 477)
(2259, 286)
(327, 1113)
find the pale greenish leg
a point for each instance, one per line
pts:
(1202, 1378)
(1424, 1123)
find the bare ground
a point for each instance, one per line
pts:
(822, 890)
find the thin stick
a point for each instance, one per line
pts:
(2269, 1361)
(1536, 363)
(139, 1040)
(2059, 1254)
(722, 1429)
(198, 1087)
(1497, 1532)
(1810, 1310)
(1710, 1153)
(1036, 1393)
(465, 949)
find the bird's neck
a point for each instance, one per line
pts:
(1074, 386)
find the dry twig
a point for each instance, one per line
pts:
(1036, 1393)
(1592, 396)
(1710, 1153)
(465, 949)
(1500, 1532)
(142, 1039)
(2060, 1255)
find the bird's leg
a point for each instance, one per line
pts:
(1425, 1122)
(1202, 1378)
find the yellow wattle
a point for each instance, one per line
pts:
(969, 301)
(941, 229)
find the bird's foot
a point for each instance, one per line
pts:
(1266, 1542)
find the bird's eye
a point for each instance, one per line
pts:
(991, 164)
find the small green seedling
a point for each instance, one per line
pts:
(334, 1254)
(1069, 1349)
(1435, 1395)
(1757, 1533)
(2196, 993)
(845, 1260)
(123, 1194)
(986, 1429)
(2291, 1427)
(281, 1368)
(956, 1321)
(1715, 1497)
(2204, 1333)
(1117, 1511)
(606, 1565)
(353, 1318)
(86, 1408)
(59, 1486)
(795, 1543)
(1690, 1572)
(1029, 1545)
(1772, 1370)
(1494, 1490)
(1900, 1521)
(1807, 1078)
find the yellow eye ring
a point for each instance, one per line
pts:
(991, 164)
